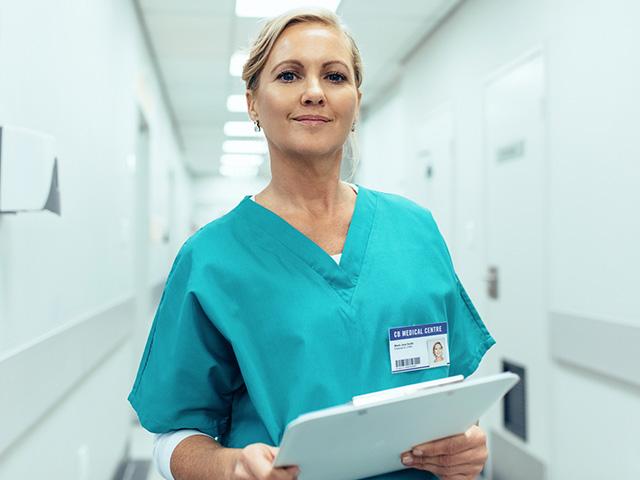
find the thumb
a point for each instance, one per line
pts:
(273, 451)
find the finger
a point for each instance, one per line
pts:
(259, 464)
(470, 457)
(264, 471)
(476, 456)
(467, 471)
(293, 471)
(444, 446)
(472, 438)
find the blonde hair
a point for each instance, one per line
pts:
(269, 34)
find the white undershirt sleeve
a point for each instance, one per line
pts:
(165, 444)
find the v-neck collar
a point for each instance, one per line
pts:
(343, 277)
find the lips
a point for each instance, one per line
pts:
(311, 118)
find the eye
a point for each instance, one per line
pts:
(287, 76)
(336, 77)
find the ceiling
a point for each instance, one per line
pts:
(193, 40)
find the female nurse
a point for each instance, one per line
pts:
(285, 305)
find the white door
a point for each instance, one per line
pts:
(514, 121)
(430, 179)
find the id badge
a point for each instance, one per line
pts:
(418, 347)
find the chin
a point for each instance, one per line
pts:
(315, 148)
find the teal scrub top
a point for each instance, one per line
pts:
(258, 325)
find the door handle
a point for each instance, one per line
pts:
(492, 282)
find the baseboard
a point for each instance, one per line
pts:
(510, 461)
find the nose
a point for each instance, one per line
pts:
(313, 93)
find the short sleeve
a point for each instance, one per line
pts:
(188, 372)
(469, 338)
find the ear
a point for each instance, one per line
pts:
(357, 117)
(251, 105)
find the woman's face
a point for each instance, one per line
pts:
(308, 73)
(437, 350)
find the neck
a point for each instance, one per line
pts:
(309, 185)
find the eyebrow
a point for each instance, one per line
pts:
(299, 63)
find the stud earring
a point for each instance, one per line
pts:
(256, 125)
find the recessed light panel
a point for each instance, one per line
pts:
(237, 103)
(236, 63)
(241, 129)
(238, 160)
(270, 8)
(238, 171)
(244, 146)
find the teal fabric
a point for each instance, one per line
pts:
(257, 324)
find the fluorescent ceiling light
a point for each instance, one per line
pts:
(270, 8)
(241, 129)
(244, 146)
(236, 63)
(238, 160)
(238, 171)
(237, 103)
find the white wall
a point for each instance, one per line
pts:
(80, 71)
(382, 147)
(593, 106)
(216, 196)
(594, 223)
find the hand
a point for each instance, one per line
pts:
(460, 457)
(254, 462)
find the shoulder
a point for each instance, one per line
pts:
(211, 241)
(401, 207)
(216, 231)
(403, 221)
(223, 232)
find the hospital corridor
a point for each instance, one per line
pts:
(319, 239)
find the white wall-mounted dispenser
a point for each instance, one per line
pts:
(28, 171)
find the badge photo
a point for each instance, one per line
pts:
(438, 351)
(418, 347)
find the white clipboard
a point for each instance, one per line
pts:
(366, 436)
